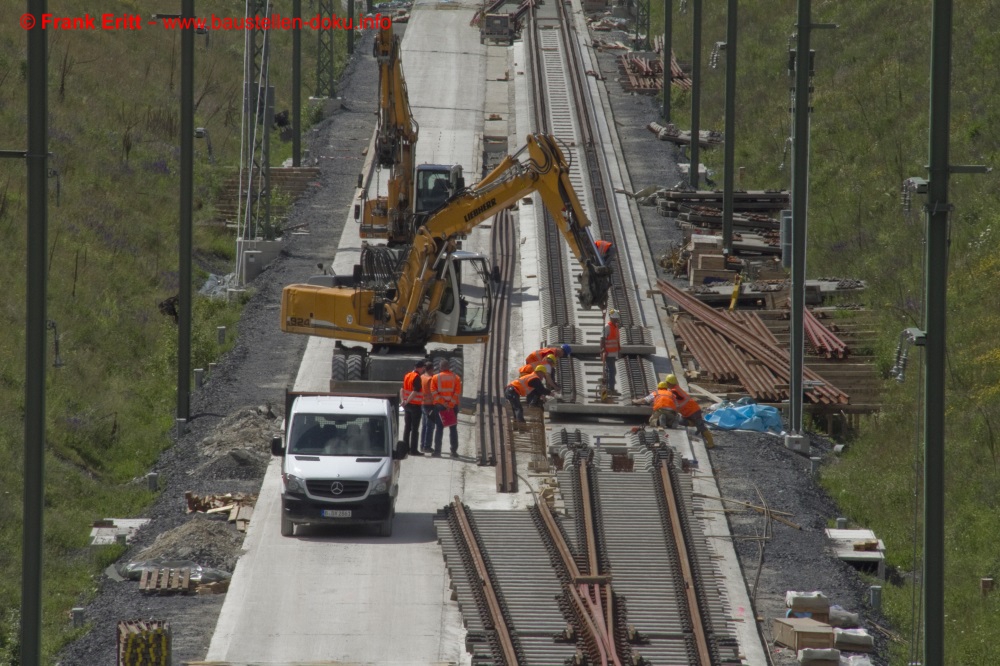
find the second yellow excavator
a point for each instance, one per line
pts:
(429, 291)
(411, 191)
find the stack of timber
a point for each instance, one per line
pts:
(143, 642)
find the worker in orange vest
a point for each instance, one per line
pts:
(611, 347)
(607, 251)
(537, 356)
(447, 389)
(550, 364)
(428, 410)
(412, 399)
(664, 407)
(690, 410)
(531, 387)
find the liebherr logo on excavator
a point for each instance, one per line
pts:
(481, 209)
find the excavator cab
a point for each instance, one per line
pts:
(463, 314)
(435, 184)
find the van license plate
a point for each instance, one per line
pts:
(336, 513)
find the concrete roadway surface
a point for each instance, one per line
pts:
(347, 596)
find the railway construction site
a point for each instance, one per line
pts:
(585, 535)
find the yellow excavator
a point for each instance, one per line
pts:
(412, 191)
(399, 299)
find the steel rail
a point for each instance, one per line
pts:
(639, 381)
(690, 584)
(594, 614)
(495, 448)
(771, 356)
(482, 572)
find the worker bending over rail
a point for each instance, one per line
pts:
(689, 410)
(531, 387)
(664, 408)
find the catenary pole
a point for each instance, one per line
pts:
(296, 83)
(730, 147)
(668, 57)
(695, 178)
(186, 220)
(35, 338)
(936, 288)
(800, 207)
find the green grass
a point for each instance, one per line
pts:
(869, 133)
(112, 251)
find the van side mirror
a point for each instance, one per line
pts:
(402, 448)
(277, 446)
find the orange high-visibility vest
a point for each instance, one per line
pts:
(602, 246)
(411, 397)
(664, 400)
(521, 384)
(426, 390)
(526, 369)
(447, 387)
(686, 406)
(612, 344)
(538, 357)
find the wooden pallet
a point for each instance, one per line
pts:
(166, 581)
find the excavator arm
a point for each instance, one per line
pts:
(395, 144)
(540, 167)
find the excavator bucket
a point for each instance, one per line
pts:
(595, 283)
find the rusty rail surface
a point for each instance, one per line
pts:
(495, 447)
(590, 594)
(824, 341)
(499, 623)
(690, 584)
(759, 351)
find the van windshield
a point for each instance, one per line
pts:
(326, 434)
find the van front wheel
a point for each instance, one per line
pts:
(287, 528)
(385, 527)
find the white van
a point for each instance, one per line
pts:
(340, 460)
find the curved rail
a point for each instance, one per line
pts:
(495, 448)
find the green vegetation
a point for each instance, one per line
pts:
(113, 250)
(869, 133)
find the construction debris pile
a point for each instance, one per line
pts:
(821, 634)
(239, 447)
(237, 506)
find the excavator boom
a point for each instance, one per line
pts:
(540, 167)
(438, 293)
